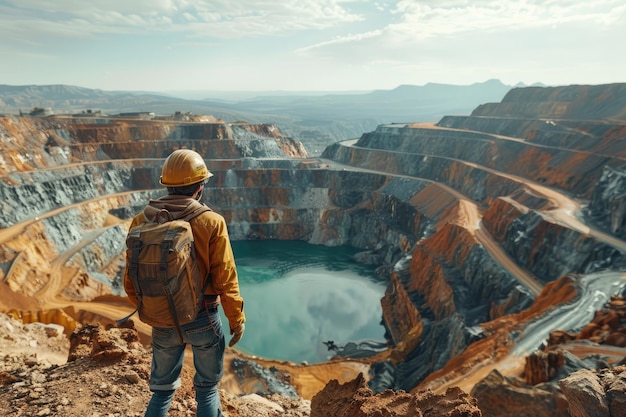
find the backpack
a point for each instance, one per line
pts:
(161, 259)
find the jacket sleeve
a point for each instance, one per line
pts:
(127, 281)
(216, 257)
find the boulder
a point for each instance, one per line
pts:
(585, 394)
(499, 396)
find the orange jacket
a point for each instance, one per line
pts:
(214, 254)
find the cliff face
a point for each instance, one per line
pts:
(547, 248)
(583, 102)
(471, 220)
(607, 207)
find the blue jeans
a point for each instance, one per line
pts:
(207, 342)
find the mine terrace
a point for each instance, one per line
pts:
(497, 233)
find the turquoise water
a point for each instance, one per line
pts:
(298, 295)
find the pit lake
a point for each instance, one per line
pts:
(297, 296)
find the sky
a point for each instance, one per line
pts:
(309, 45)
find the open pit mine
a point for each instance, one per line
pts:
(501, 236)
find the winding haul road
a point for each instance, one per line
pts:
(596, 290)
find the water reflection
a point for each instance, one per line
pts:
(298, 296)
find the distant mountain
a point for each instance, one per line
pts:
(521, 85)
(69, 99)
(406, 103)
(316, 120)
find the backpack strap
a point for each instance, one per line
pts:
(166, 245)
(198, 209)
(133, 268)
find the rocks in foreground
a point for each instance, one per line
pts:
(601, 394)
(355, 399)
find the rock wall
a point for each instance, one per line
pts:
(599, 137)
(545, 247)
(578, 102)
(607, 206)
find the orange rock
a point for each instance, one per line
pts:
(558, 337)
(355, 399)
(616, 339)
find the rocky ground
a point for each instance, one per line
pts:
(106, 376)
(103, 372)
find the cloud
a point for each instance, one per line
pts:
(425, 26)
(207, 18)
(342, 40)
(286, 44)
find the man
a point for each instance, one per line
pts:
(184, 173)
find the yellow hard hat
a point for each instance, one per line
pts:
(184, 167)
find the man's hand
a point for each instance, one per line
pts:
(237, 332)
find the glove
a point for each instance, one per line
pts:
(237, 332)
